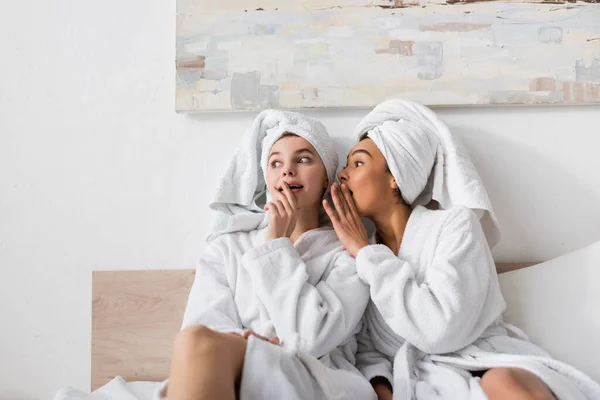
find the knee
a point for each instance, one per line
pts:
(514, 384)
(196, 340)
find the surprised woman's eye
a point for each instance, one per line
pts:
(275, 164)
(304, 159)
(358, 163)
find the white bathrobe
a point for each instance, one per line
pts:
(435, 314)
(307, 293)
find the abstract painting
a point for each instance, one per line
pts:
(294, 54)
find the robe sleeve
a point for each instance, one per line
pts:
(320, 316)
(369, 361)
(210, 302)
(439, 313)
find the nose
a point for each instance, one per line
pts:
(343, 176)
(288, 171)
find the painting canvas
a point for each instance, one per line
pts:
(294, 54)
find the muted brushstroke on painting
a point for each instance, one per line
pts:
(251, 54)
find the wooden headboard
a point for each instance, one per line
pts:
(135, 317)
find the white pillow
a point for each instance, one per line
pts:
(557, 304)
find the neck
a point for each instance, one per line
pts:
(391, 224)
(308, 219)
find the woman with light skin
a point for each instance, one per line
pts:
(276, 303)
(433, 327)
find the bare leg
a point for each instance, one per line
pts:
(205, 364)
(514, 384)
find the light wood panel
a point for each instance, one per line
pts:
(135, 317)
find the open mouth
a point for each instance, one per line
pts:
(293, 188)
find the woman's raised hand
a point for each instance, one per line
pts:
(346, 220)
(283, 214)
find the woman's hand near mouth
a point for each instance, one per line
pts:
(346, 221)
(292, 185)
(283, 214)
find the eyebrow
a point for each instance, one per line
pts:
(305, 149)
(359, 151)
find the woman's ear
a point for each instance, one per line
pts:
(394, 185)
(326, 183)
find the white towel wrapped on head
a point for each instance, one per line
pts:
(427, 161)
(241, 194)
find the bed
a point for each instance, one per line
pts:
(135, 317)
(136, 314)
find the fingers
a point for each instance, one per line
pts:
(275, 207)
(270, 207)
(339, 201)
(286, 207)
(280, 208)
(350, 201)
(249, 332)
(331, 213)
(274, 340)
(285, 201)
(290, 196)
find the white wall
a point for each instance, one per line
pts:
(98, 172)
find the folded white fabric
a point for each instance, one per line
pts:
(117, 389)
(427, 161)
(241, 194)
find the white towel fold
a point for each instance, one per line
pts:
(427, 161)
(241, 194)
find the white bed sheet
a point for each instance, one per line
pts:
(117, 389)
(557, 304)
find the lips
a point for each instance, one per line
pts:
(293, 186)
